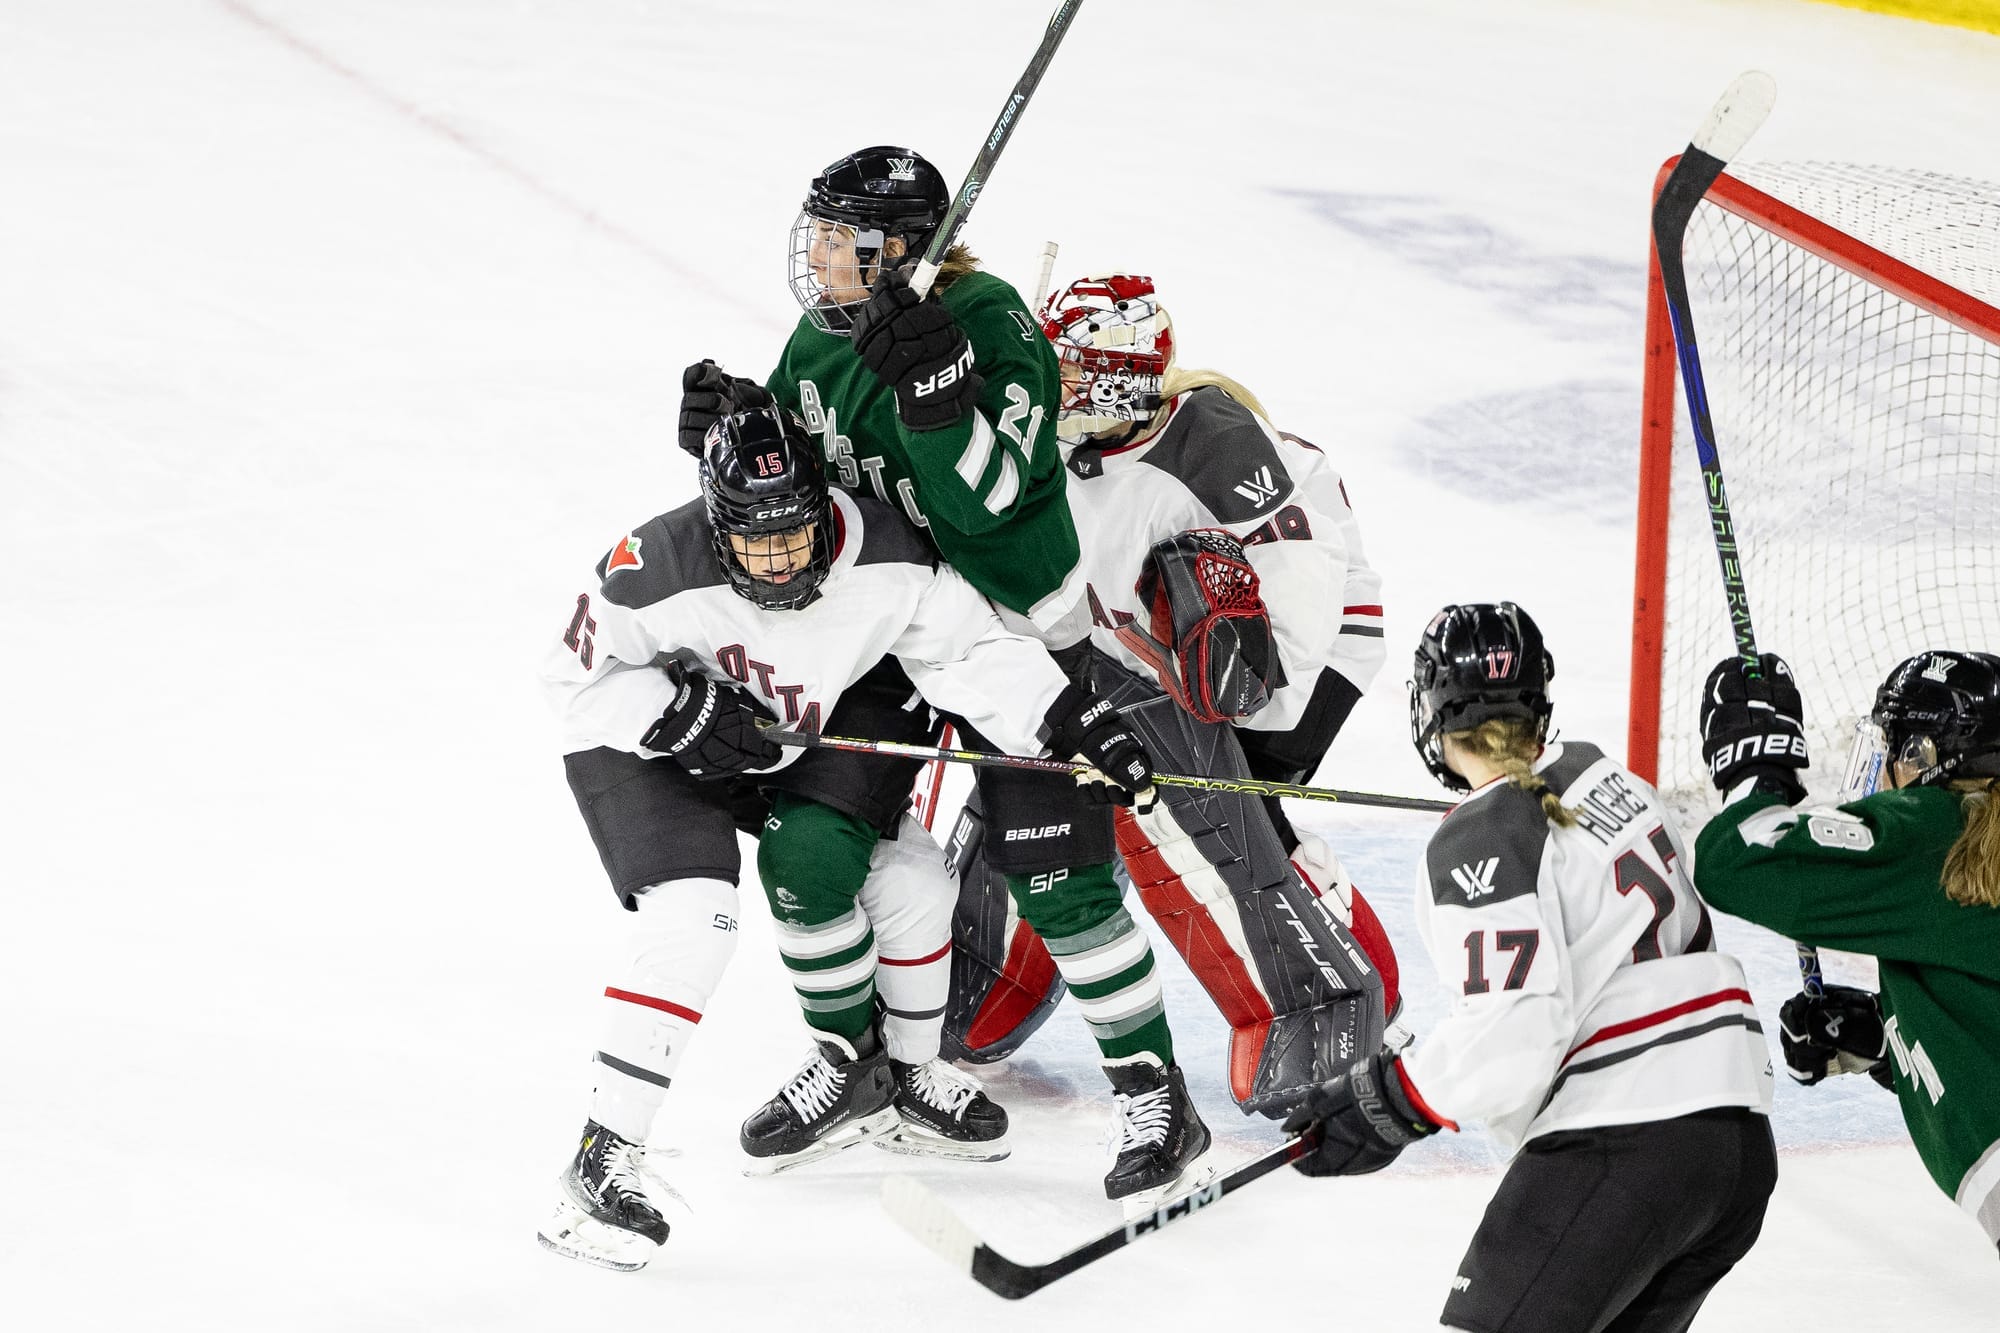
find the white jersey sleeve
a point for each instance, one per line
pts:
(601, 674)
(964, 661)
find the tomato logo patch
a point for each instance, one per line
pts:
(625, 555)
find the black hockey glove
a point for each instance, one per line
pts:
(1364, 1117)
(710, 728)
(916, 348)
(709, 393)
(1839, 1032)
(1086, 725)
(1754, 729)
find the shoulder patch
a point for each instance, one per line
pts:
(1216, 447)
(1489, 852)
(661, 557)
(625, 555)
(887, 537)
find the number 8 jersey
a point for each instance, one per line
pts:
(1587, 989)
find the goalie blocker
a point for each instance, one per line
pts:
(1297, 983)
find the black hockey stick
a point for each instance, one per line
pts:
(989, 152)
(1729, 126)
(1069, 767)
(925, 1216)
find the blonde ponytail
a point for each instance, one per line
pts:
(1972, 867)
(1512, 744)
(1177, 381)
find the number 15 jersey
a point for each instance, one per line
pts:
(1586, 986)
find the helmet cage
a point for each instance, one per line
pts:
(1115, 342)
(760, 477)
(1476, 663)
(866, 197)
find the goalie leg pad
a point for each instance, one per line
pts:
(1004, 984)
(1213, 873)
(908, 899)
(682, 940)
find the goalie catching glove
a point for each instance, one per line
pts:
(1210, 643)
(1087, 726)
(1366, 1117)
(1837, 1032)
(711, 727)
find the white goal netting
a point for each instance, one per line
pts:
(1859, 436)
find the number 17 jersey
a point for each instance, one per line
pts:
(1586, 986)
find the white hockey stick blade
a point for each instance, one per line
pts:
(1737, 115)
(925, 1216)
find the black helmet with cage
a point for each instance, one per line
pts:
(1477, 662)
(760, 478)
(1939, 714)
(870, 196)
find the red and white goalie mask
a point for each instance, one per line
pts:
(1115, 342)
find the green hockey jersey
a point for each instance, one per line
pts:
(988, 491)
(1866, 877)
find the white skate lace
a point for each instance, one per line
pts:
(624, 1168)
(813, 1089)
(950, 1090)
(1141, 1121)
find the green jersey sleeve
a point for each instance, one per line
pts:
(1863, 877)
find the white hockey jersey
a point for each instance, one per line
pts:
(1587, 986)
(660, 594)
(1217, 464)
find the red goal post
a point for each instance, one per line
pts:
(1851, 350)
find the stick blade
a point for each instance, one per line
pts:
(921, 1213)
(1737, 115)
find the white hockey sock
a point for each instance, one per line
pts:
(683, 936)
(909, 899)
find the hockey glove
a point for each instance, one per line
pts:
(1210, 643)
(710, 728)
(1365, 1119)
(708, 394)
(917, 349)
(1754, 729)
(1839, 1032)
(1087, 726)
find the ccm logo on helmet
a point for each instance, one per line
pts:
(1031, 834)
(947, 377)
(1752, 746)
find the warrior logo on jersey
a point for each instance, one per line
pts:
(1476, 878)
(625, 555)
(1258, 490)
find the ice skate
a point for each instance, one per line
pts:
(838, 1098)
(607, 1215)
(943, 1112)
(1157, 1136)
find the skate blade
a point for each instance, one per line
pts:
(847, 1136)
(574, 1234)
(1196, 1176)
(915, 1141)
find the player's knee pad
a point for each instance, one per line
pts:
(812, 860)
(1004, 984)
(681, 940)
(908, 900)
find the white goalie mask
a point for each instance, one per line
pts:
(1115, 341)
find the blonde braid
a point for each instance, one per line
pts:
(1972, 867)
(1512, 745)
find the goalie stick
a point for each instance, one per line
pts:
(921, 1213)
(986, 758)
(1729, 125)
(989, 152)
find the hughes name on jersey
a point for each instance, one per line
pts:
(988, 491)
(1216, 464)
(660, 594)
(1588, 987)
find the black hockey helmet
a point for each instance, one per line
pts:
(760, 477)
(1475, 663)
(1940, 716)
(877, 193)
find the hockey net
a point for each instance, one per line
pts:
(1850, 347)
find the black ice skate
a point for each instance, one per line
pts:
(605, 1216)
(840, 1097)
(1158, 1136)
(945, 1113)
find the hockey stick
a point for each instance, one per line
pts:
(989, 153)
(1729, 126)
(925, 1216)
(1070, 768)
(1042, 279)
